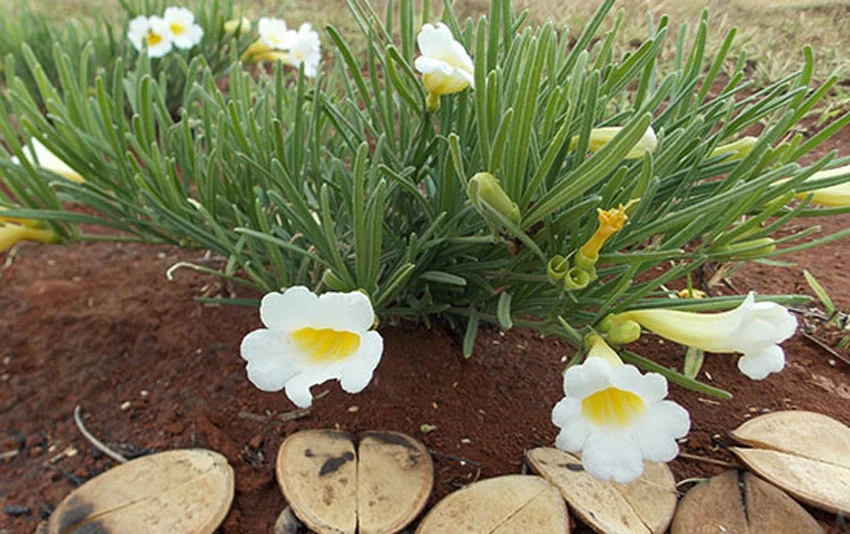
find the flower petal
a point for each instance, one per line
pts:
(346, 311)
(292, 309)
(298, 388)
(612, 456)
(358, 369)
(658, 431)
(586, 379)
(269, 367)
(651, 387)
(757, 365)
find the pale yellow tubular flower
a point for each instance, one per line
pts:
(13, 233)
(240, 26)
(739, 149)
(46, 159)
(754, 329)
(599, 137)
(836, 196)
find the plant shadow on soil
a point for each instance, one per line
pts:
(99, 325)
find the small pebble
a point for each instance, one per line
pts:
(466, 441)
(831, 363)
(425, 428)
(144, 393)
(125, 406)
(16, 510)
(256, 442)
(353, 409)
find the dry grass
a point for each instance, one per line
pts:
(771, 32)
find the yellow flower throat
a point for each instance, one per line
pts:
(325, 345)
(612, 407)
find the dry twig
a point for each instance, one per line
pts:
(94, 441)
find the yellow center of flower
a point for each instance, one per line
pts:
(154, 39)
(177, 28)
(326, 344)
(612, 407)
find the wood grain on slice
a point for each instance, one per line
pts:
(607, 507)
(175, 492)
(713, 506)
(394, 479)
(487, 506)
(771, 511)
(546, 513)
(317, 473)
(741, 504)
(822, 485)
(652, 496)
(807, 434)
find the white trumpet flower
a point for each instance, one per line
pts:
(754, 329)
(46, 159)
(181, 24)
(616, 417)
(303, 46)
(152, 32)
(309, 339)
(272, 32)
(445, 64)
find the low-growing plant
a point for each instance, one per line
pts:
(547, 183)
(72, 49)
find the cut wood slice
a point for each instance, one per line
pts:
(645, 506)
(805, 453)
(394, 479)
(180, 492)
(819, 484)
(741, 503)
(510, 504)
(317, 473)
(807, 434)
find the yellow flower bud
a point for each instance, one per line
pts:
(598, 348)
(240, 26)
(740, 149)
(599, 137)
(746, 250)
(485, 186)
(12, 233)
(624, 332)
(610, 222)
(260, 51)
(691, 294)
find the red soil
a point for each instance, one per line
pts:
(99, 325)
